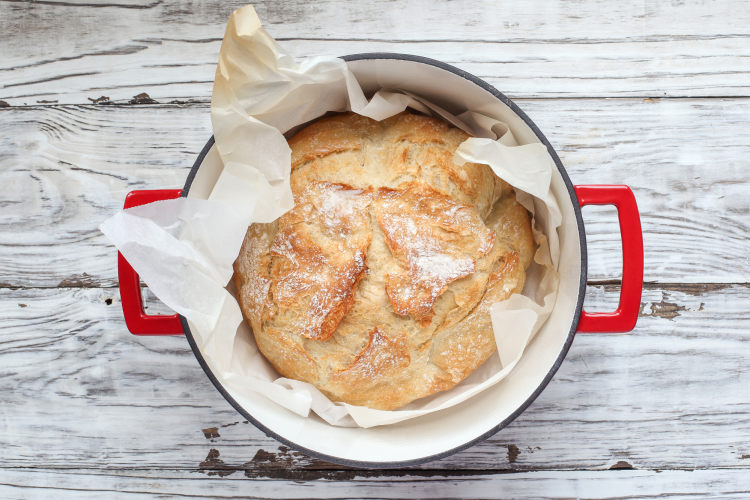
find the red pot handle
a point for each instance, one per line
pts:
(138, 322)
(624, 318)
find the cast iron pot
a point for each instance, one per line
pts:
(449, 431)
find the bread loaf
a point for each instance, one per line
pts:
(376, 286)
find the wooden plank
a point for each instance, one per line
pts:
(79, 391)
(66, 169)
(30, 484)
(70, 51)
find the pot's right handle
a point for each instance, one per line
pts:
(624, 318)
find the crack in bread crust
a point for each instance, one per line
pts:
(376, 286)
(314, 280)
(435, 239)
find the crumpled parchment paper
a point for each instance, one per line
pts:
(184, 249)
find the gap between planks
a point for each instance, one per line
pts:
(334, 472)
(203, 101)
(644, 485)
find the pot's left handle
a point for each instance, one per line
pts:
(138, 322)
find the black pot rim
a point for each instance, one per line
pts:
(563, 352)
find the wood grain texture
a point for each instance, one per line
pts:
(90, 411)
(600, 485)
(80, 392)
(66, 169)
(72, 51)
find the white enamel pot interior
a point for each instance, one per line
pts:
(445, 432)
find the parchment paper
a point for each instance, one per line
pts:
(184, 249)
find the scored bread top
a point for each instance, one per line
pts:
(376, 286)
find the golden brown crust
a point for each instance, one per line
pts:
(461, 348)
(292, 360)
(379, 362)
(376, 286)
(328, 136)
(434, 239)
(314, 284)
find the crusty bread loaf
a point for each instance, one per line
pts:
(376, 286)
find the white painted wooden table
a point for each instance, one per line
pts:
(652, 94)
